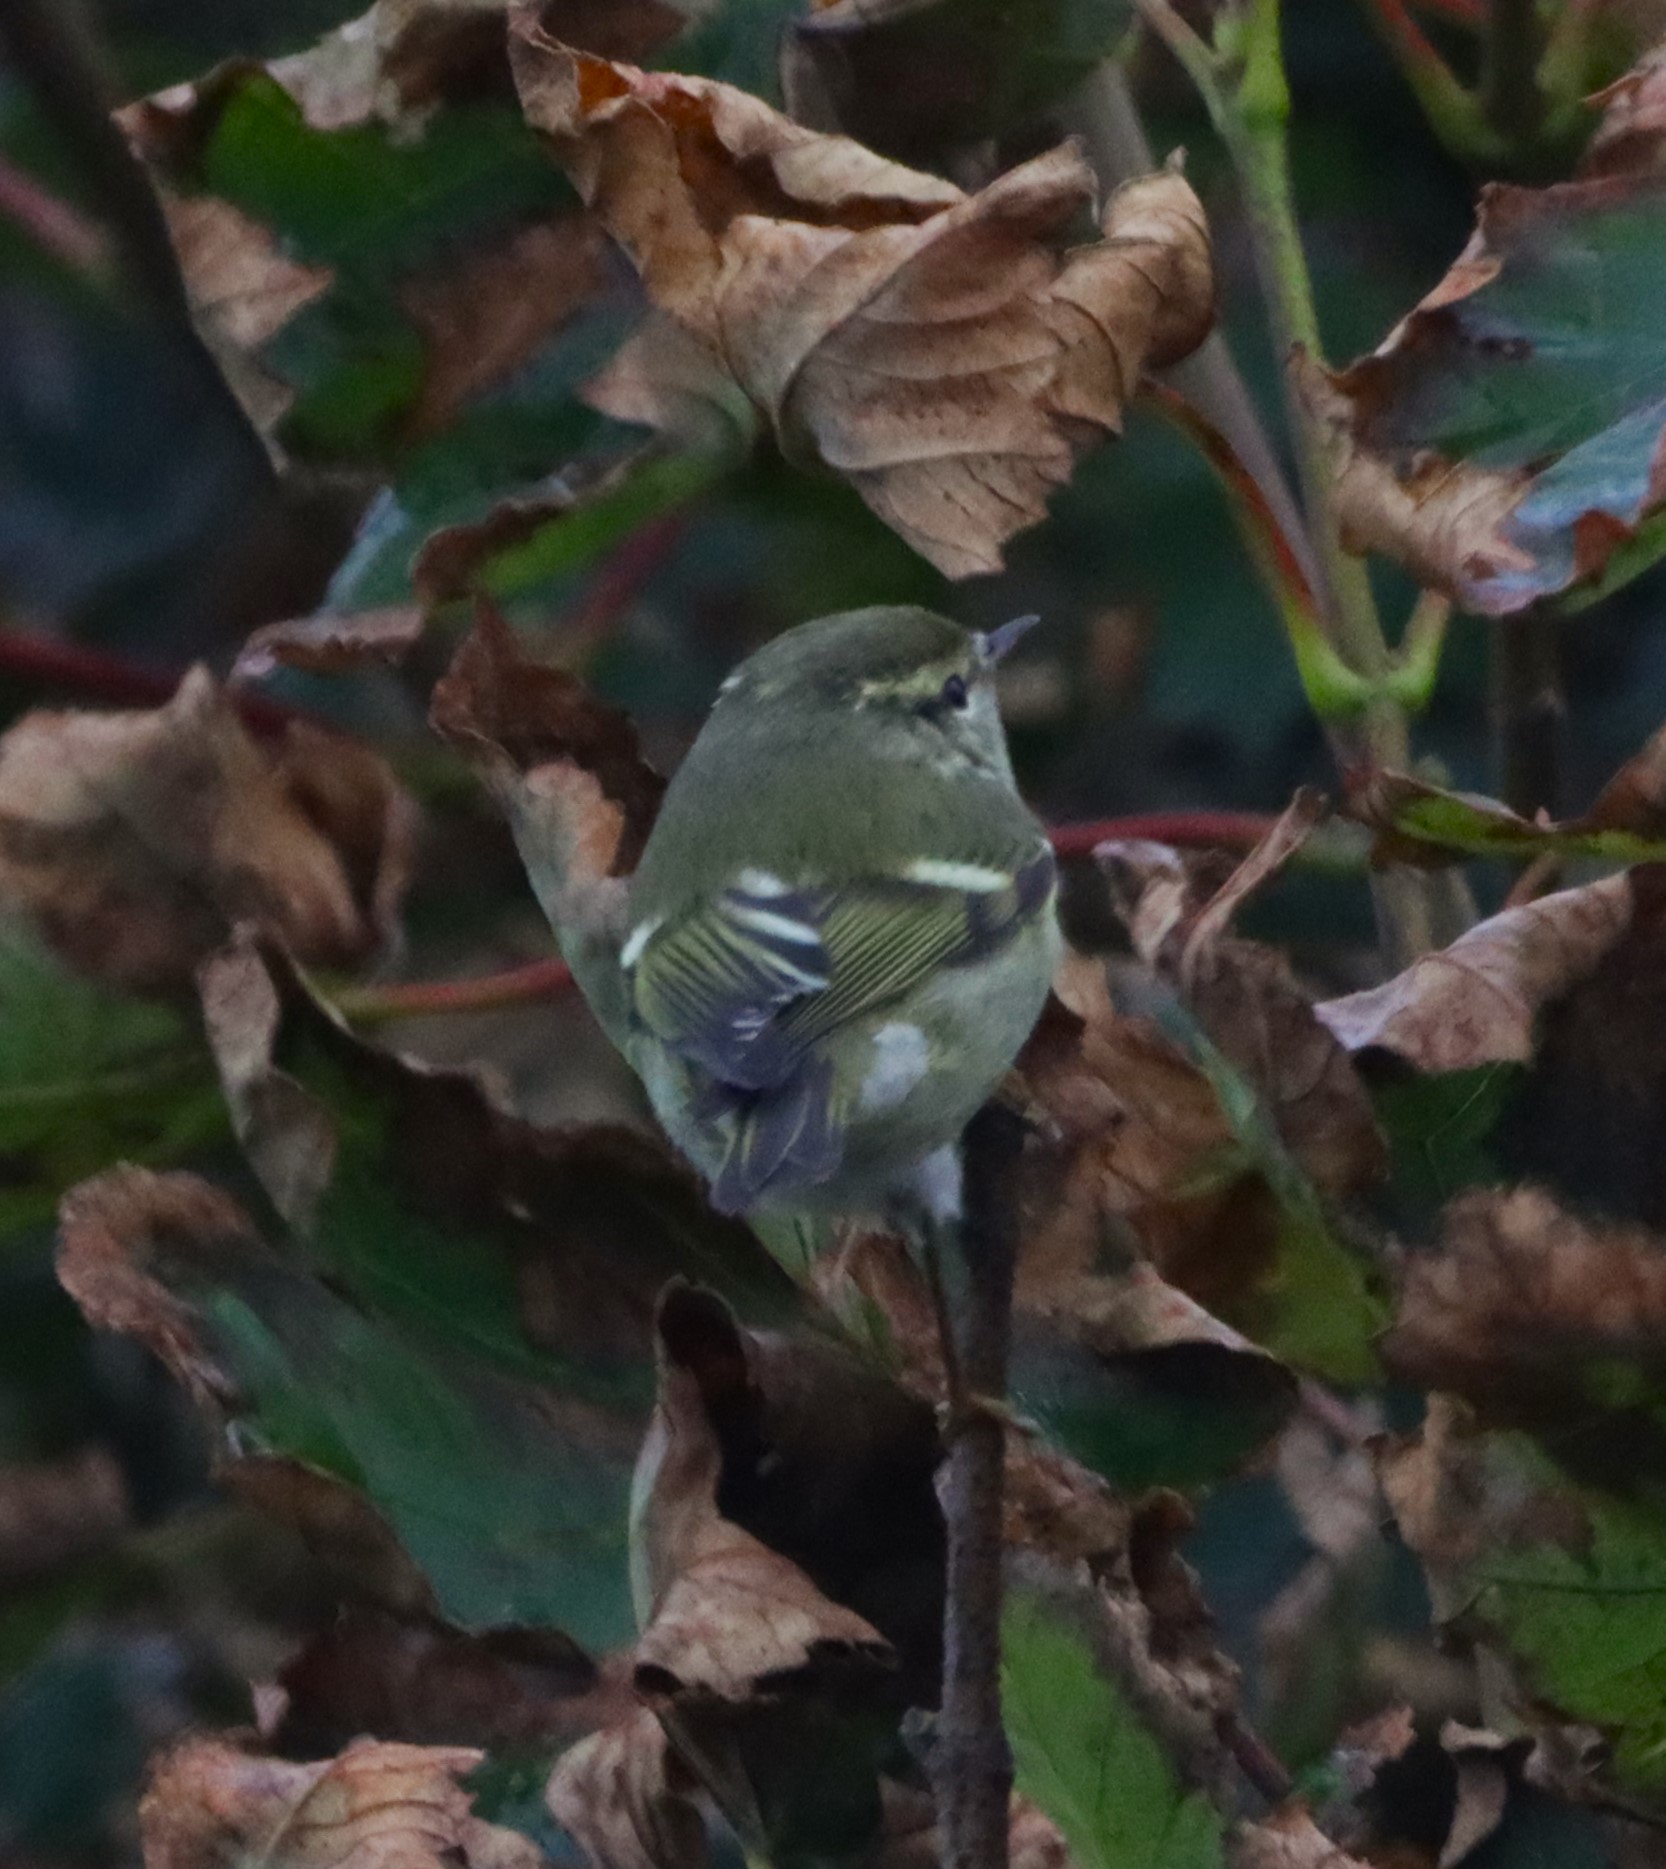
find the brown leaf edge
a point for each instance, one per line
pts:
(123, 1237)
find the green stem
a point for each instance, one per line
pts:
(1242, 81)
(1255, 132)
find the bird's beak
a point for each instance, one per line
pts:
(996, 642)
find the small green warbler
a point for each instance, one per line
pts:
(842, 929)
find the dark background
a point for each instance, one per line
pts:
(134, 522)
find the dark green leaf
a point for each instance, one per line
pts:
(1570, 1584)
(88, 1075)
(1503, 442)
(1439, 1129)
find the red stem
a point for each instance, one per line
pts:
(97, 676)
(1228, 830)
(546, 979)
(1470, 13)
(1405, 37)
(421, 999)
(624, 572)
(53, 225)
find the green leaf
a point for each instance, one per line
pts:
(1439, 1129)
(1319, 1306)
(1179, 1416)
(512, 1507)
(1567, 1582)
(88, 1075)
(459, 1322)
(1504, 438)
(1408, 810)
(1082, 1754)
(459, 299)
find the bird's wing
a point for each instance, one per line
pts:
(745, 985)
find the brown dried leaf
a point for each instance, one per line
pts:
(623, 1796)
(667, 379)
(1477, 1001)
(570, 775)
(722, 1609)
(477, 311)
(1443, 520)
(1459, 1495)
(749, 1665)
(135, 840)
(428, 1685)
(487, 313)
(1148, 1117)
(331, 642)
(1289, 1839)
(115, 1229)
(1531, 1313)
(946, 354)
(244, 288)
(910, 1837)
(1631, 138)
(1218, 1134)
(212, 1805)
(1248, 1002)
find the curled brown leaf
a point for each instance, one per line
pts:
(748, 1664)
(1246, 999)
(244, 289)
(949, 355)
(1477, 1002)
(623, 1795)
(134, 841)
(212, 1805)
(426, 1684)
(1631, 138)
(1528, 1311)
(331, 642)
(1445, 521)
(570, 774)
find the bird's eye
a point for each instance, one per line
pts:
(954, 691)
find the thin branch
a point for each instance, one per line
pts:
(1248, 98)
(1105, 117)
(1529, 711)
(971, 1759)
(1261, 1766)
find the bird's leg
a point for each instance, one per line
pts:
(931, 1212)
(952, 1407)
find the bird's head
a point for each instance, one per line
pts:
(915, 681)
